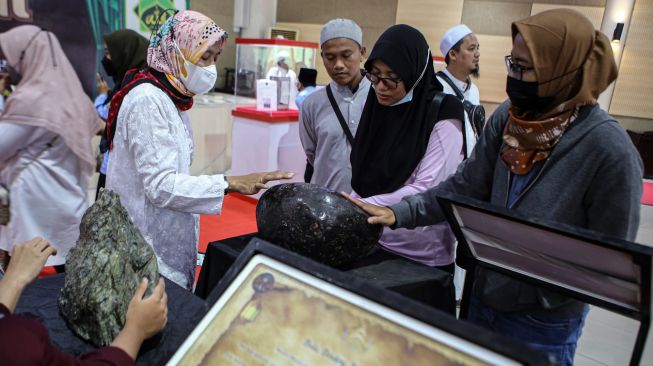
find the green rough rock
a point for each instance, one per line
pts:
(103, 271)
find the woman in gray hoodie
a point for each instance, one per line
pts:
(549, 153)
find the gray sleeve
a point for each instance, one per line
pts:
(473, 178)
(613, 198)
(306, 129)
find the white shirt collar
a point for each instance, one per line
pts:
(462, 85)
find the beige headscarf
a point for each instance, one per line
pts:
(49, 94)
(577, 62)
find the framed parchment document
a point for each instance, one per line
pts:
(282, 309)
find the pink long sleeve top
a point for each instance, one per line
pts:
(431, 245)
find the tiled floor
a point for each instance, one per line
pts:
(608, 338)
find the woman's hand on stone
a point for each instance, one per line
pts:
(377, 214)
(253, 183)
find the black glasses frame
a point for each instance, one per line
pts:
(390, 83)
(515, 67)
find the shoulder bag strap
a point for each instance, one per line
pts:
(446, 78)
(341, 119)
(438, 98)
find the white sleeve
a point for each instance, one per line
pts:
(152, 147)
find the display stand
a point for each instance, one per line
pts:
(585, 265)
(265, 141)
(428, 285)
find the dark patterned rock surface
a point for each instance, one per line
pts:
(316, 223)
(103, 270)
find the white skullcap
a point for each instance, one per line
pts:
(341, 28)
(452, 37)
(282, 55)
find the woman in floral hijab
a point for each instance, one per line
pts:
(152, 144)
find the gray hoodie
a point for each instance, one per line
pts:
(592, 179)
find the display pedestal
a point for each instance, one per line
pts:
(428, 285)
(266, 141)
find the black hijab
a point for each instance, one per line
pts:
(128, 50)
(391, 140)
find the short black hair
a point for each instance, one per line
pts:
(456, 48)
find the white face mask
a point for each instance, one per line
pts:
(407, 98)
(200, 80)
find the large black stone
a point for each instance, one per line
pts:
(316, 223)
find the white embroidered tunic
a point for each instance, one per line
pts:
(149, 169)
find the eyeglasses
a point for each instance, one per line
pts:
(390, 83)
(511, 66)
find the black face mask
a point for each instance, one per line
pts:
(108, 67)
(523, 95)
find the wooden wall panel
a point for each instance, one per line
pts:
(224, 17)
(492, 82)
(367, 13)
(634, 86)
(475, 15)
(593, 13)
(431, 17)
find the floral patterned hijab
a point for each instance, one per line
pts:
(578, 61)
(194, 33)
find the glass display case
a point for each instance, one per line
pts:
(265, 58)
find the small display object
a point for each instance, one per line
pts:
(261, 58)
(585, 265)
(275, 307)
(266, 96)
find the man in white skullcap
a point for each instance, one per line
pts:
(460, 49)
(282, 69)
(325, 136)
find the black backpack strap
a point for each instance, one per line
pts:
(446, 78)
(438, 98)
(341, 119)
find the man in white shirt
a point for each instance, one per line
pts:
(282, 69)
(324, 137)
(460, 48)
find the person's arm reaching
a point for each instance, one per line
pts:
(145, 317)
(26, 262)
(156, 158)
(473, 178)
